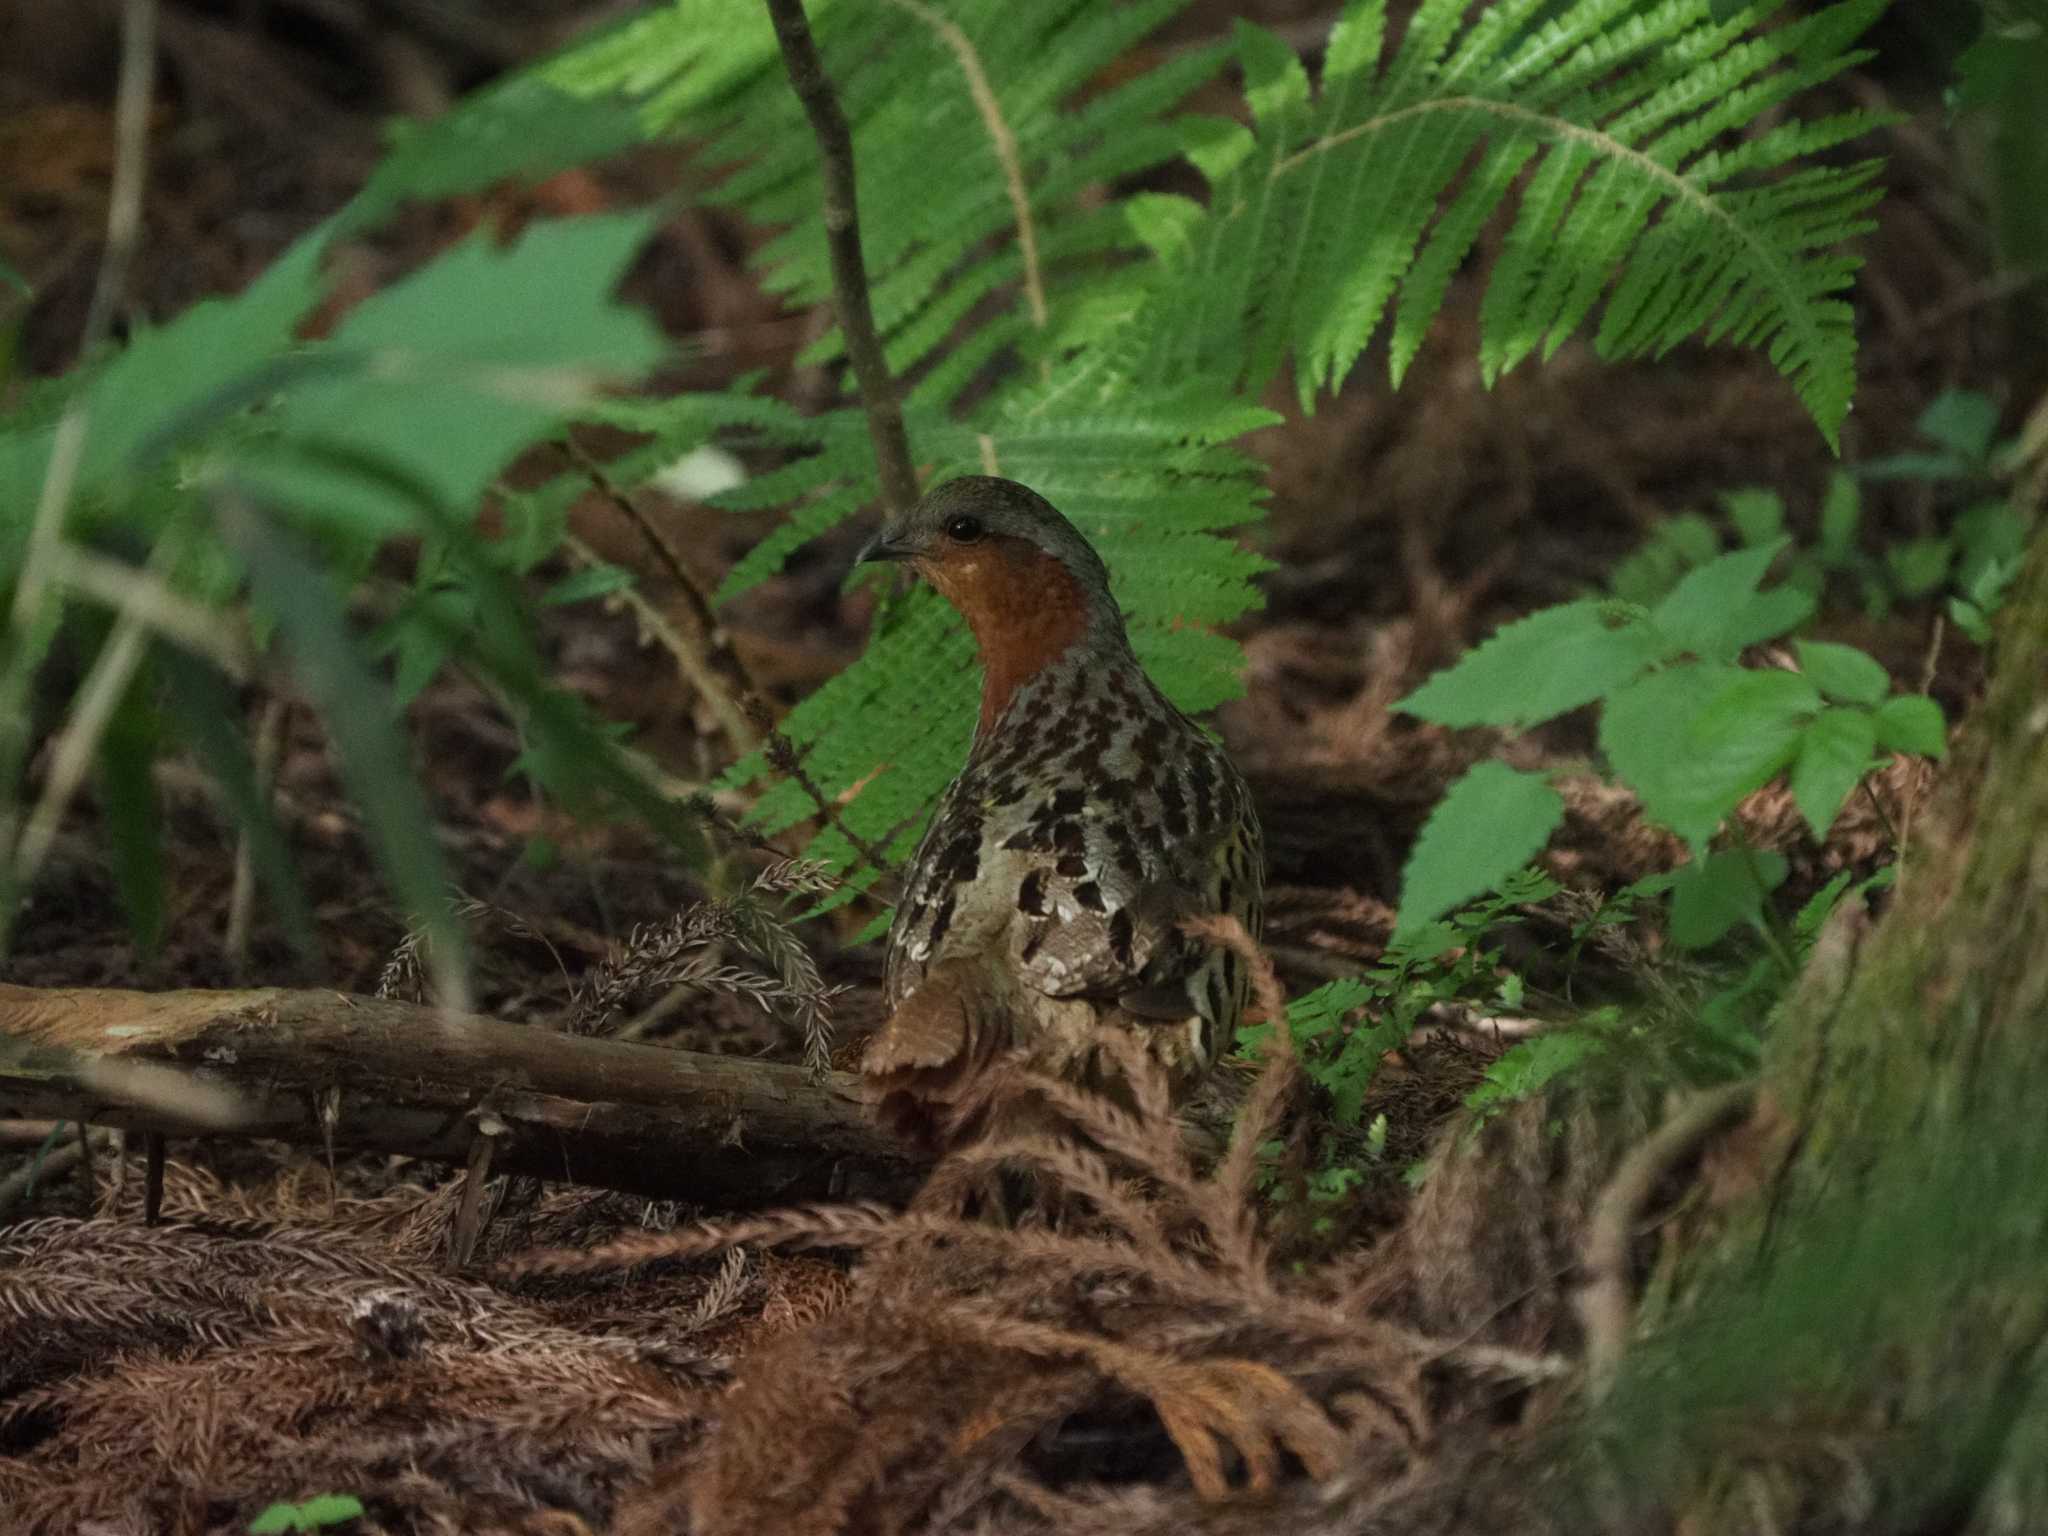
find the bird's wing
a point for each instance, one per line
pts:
(1113, 930)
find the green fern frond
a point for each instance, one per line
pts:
(966, 142)
(1101, 341)
(1618, 123)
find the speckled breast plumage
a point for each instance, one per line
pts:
(1090, 819)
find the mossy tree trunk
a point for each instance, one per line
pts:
(1862, 1347)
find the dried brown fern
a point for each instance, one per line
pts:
(967, 1347)
(687, 954)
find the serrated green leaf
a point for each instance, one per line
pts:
(1679, 544)
(1165, 221)
(1535, 668)
(1715, 611)
(1215, 146)
(1834, 754)
(1712, 895)
(1490, 823)
(1274, 81)
(1842, 671)
(440, 379)
(1911, 722)
(1759, 697)
(1692, 740)
(1529, 1066)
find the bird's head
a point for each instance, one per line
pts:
(1028, 584)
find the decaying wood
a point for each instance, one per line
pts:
(419, 1081)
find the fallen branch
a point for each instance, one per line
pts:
(322, 1069)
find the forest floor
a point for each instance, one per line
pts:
(295, 1332)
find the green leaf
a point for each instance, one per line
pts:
(1971, 619)
(169, 384)
(313, 1515)
(1489, 824)
(1834, 754)
(1165, 221)
(1713, 895)
(591, 581)
(1529, 1066)
(451, 372)
(1962, 421)
(1538, 667)
(1677, 545)
(1911, 722)
(1275, 84)
(1841, 514)
(1717, 610)
(1758, 515)
(204, 711)
(1692, 740)
(1842, 671)
(1818, 907)
(359, 715)
(522, 127)
(1920, 566)
(1759, 697)
(131, 811)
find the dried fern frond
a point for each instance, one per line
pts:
(687, 954)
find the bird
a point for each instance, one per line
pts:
(1043, 906)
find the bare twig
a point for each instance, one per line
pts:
(50, 1167)
(704, 657)
(784, 758)
(849, 271)
(1605, 1308)
(160, 607)
(476, 1174)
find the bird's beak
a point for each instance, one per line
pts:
(886, 545)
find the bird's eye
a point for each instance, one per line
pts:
(964, 530)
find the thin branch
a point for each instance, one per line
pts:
(92, 711)
(691, 658)
(159, 606)
(784, 758)
(849, 271)
(1004, 142)
(52, 1166)
(705, 658)
(1605, 1309)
